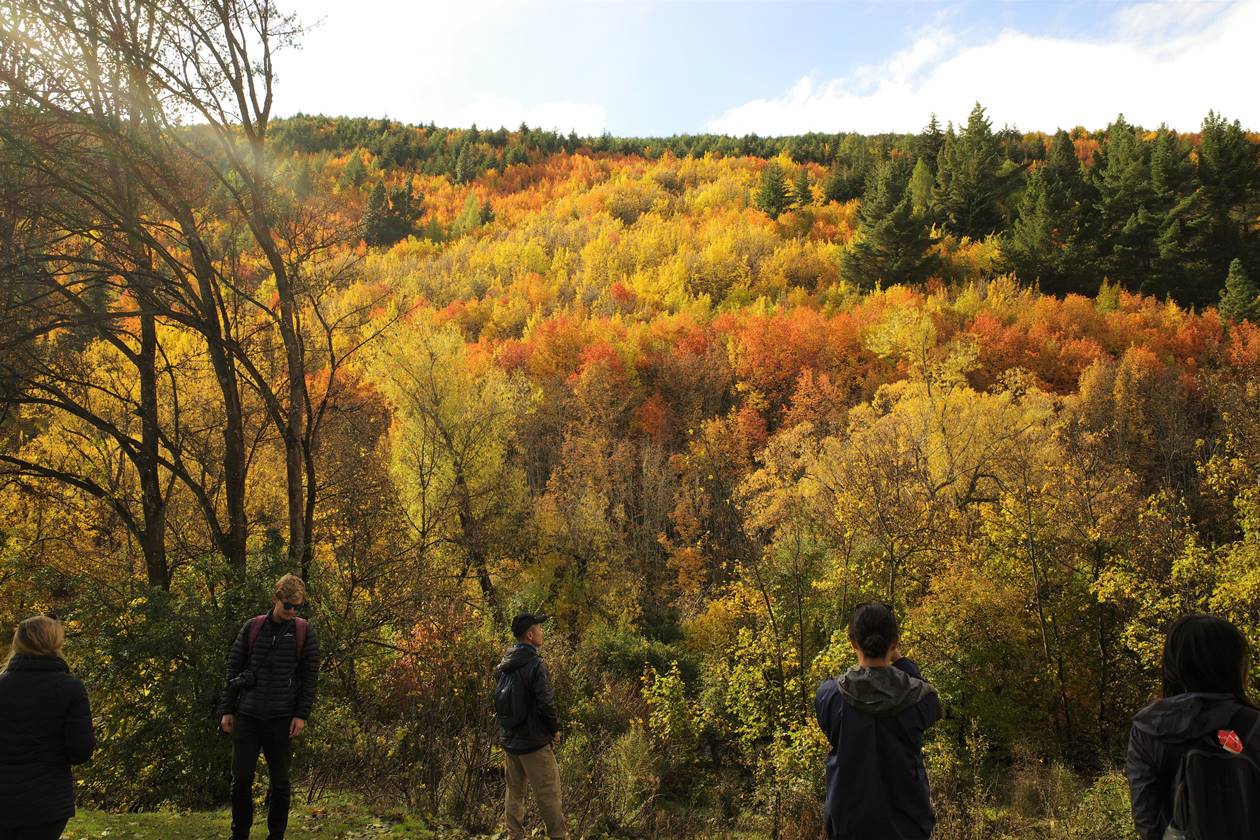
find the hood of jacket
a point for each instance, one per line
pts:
(1186, 717)
(517, 657)
(882, 691)
(31, 662)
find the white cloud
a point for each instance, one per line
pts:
(1167, 62)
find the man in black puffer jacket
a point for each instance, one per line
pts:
(528, 746)
(271, 676)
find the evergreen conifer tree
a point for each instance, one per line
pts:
(1049, 240)
(968, 189)
(1240, 299)
(894, 244)
(835, 186)
(801, 193)
(375, 222)
(772, 196)
(928, 144)
(1185, 266)
(354, 172)
(1229, 175)
(1127, 230)
(921, 183)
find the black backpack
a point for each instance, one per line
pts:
(511, 700)
(1216, 794)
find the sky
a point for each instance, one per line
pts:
(656, 67)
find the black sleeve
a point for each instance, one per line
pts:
(930, 706)
(235, 664)
(909, 666)
(80, 739)
(545, 697)
(1146, 791)
(308, 673)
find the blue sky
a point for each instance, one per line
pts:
(649, 68)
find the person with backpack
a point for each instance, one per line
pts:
(874, 717)
(525, 707)
(45, 727)
(267, 699)
(1193, 755)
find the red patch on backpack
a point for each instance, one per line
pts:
(1229, 740)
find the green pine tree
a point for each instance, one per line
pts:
(391, 215)
(1172, 175)
(921, 183)
(303, 181)
(893, 245)
(1126, 228)
(835, 186)
(802, 195)
(354, 172)
(1229, 175)
(375, 222)
(969, 191)
(928, 143)
(1049, 240)
(1185, 265)
(1240, 299)
(772, 196)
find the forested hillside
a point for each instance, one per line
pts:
(696, 397)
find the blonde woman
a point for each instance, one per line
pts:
(45, 726)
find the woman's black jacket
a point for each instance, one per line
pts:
(1161, 734)
(45, 726)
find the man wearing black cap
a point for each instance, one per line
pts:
(525, 704)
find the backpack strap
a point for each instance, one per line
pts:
(299, 632)
(255, 627)
(1244, 722)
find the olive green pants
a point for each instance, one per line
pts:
(540, 770)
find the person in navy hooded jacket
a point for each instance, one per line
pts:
(874, 717)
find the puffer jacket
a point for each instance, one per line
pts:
(542, 723)
(45, 726)
(283, 685)
(877, 786)
(1161, 734)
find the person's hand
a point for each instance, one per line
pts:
(227, 723)
(296, 726)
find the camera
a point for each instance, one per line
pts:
(245, 679)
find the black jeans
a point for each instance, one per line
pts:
(47, 831)
(272, 736)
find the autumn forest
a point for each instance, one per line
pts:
(695, 396)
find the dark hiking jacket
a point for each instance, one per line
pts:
(283, 685)
(45, 726)
(877, 786)
(541, 724)
(1161, 734)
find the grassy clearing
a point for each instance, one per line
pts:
(331, 819)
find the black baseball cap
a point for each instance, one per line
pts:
(524, 621)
